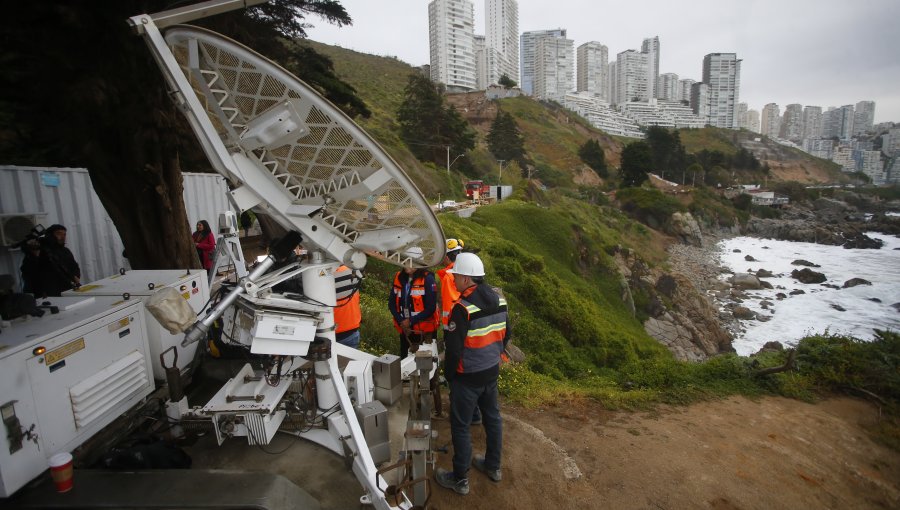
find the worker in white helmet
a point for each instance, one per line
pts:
(477, 333)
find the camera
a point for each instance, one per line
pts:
(33, 240)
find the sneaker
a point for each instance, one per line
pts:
(447, 480)
(476, 421)
(493, 474)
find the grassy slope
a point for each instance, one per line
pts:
(553, 262)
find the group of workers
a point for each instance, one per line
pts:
(474, 320)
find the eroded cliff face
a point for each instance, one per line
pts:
(679, 313)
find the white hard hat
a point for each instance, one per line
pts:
(414, 252)
(467, 264)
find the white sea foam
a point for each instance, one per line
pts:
(814, 312)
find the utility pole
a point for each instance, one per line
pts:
(448, 160)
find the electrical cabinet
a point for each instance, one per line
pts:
(66, 375)
(141, 284)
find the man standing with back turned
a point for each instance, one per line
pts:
(477, 333)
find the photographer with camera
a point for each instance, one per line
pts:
(49, 268)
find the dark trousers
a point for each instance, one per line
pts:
(463, 401)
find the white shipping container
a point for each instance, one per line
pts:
(66, 196)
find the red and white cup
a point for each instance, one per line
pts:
(61, 471)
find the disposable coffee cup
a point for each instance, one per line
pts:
(61, 471)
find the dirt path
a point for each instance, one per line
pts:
(731, 454)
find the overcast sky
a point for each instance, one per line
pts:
(812, 52)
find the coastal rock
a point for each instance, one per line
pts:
(874, 300)
(853, 282)
(797, 292)
(745, 281)
(764, 273)
(766, 285)
(770, 347)
(749, 258)
(858, 240)
(781, 295)
(838, 307)
(896, 306)
(801, 262)
(807, 275)
(742, 312)
(686, 229)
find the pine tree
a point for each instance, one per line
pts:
(427, 125)
(593, 156)
(637, 161)
(505, 141)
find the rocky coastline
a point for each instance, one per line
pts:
(697, 262)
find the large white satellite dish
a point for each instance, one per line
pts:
(297, 157)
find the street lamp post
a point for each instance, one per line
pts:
(454, 159)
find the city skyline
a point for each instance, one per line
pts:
(811, 53)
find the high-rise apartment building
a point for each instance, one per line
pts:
(722, 73)
(792, 123)
(700, 100)
(592, 64)
(612, 86)
(484, 61)
(864, 118)
(771, 120)
(743, 121)
(502, 34)
(650, 47)
(527, 47)
(753, 121)
(554, 68)
(685, 87)
(452, 43)
(631, 77)
(667, 87)
(812, 122)
(842, 122)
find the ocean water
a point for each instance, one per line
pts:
(816, 311)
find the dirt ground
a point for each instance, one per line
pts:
(730, 454)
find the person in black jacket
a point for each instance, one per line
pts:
(476, 336)
(59, 269)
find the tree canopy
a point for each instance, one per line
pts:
(428, 125)
(506, 82)
(637, 162)
(505, 141)
(593, 156)
(81, 89)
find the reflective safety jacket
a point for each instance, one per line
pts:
(415, 298)
(476, 335)
(347, 315)
(449, 294)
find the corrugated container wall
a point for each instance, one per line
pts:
(66, 196)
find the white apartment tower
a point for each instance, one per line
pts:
(722, 72)
(685, 87)
(554, 68)
(753, 120)
(484, 58)
(452, 43)
(612, 84)
(667, 87)
(700, 100)
(650, 47)
(743, 121)
(591, 69)
(527, 47)
(502, 34)
(631, 77)
(771, 120)
(792, 123)
(812, 122)
(864, 118)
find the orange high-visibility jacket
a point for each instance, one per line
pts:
(347, 315)
(449, 294)
(417, 298)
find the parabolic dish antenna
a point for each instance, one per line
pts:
(299, 158)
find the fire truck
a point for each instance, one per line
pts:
(476, 190)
